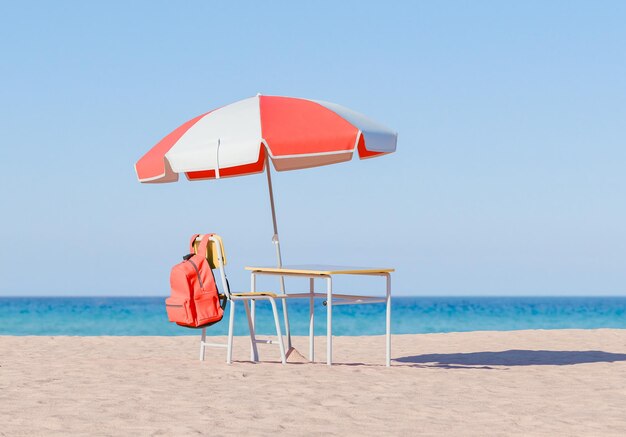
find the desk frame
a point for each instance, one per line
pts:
(346, 300)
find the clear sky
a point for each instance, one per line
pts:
(510, 174)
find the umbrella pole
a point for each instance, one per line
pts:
(279, 259)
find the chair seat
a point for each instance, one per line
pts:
(260, 293)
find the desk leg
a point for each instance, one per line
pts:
(329, 321)
(388, 327)
(254, 354)
(312, 320)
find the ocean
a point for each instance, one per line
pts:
(410, 315)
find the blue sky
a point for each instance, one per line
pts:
(509, 176)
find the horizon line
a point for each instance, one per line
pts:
(400, 296)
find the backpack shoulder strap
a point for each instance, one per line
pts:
(204, 244)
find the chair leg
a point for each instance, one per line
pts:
(287, 328)
(202, 344)
(231, 322)
(278, 334)
(254, 353)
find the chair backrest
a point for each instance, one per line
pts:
(212, 251)
(216, 256)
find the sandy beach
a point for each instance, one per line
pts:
(565, 382)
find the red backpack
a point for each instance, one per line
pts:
(194, 300)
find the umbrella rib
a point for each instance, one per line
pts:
(217, 160)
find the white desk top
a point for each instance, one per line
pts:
(320, 269)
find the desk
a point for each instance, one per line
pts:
(326, 272)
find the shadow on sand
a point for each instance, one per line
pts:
(482, 360)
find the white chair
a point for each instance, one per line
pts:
(217, 260)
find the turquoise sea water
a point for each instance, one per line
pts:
(146, 316)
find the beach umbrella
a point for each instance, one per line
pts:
(242, 138)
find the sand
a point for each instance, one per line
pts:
(565, 382)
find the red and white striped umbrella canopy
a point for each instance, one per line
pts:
(235, 140)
